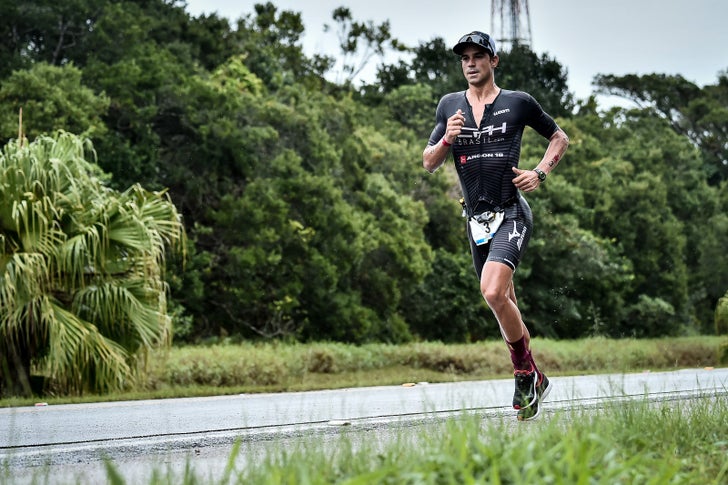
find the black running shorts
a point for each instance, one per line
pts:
(509, 242)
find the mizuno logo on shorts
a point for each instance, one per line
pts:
(519, 235)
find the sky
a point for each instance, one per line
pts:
(587, 37)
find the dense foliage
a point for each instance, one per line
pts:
(308, 213)
(82, 286)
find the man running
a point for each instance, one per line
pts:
(483, 126)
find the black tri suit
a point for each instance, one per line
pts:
(484, 154)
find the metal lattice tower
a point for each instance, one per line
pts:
(510, 23)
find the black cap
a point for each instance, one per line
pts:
(479, 39)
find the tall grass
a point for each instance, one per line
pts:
(683, 442)
(203, 370)
(295, 366)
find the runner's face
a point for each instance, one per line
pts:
(477, 65)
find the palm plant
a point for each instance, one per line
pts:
(82, 292)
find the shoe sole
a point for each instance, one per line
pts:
(521, 412)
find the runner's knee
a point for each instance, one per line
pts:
(494, 297)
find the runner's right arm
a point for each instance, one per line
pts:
(444, 135)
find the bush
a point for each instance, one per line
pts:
(721, 316)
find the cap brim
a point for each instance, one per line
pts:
(460, 47)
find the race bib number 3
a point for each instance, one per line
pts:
(484, 226)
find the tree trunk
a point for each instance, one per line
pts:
(15, 370)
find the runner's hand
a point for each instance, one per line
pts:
(454, 126)
(526, 180)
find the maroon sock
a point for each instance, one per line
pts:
(520, 356)
(533, 362)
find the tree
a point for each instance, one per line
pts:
(574, 280)
(412, 106)
(81, 270)
(433, 65)
(52, 98)
(45, 31)
(642, 187)
(699, 114)
(360, 42)
(447, 305)
(270, 42)
(721, 316)
(543, 77)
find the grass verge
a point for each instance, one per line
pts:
(276, 367)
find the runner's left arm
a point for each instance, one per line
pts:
(527, 180)
(558, 143)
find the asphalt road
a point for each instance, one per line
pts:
(69, 443)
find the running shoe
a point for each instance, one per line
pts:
(532, 387)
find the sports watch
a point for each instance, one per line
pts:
(541, 174)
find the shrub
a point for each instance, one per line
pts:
(721, 316)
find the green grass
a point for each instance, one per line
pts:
(628, 443)
(231, 368)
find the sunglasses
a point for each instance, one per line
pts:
(480, 39)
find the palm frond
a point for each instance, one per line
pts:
(130, 310)
(81, 265)
(80, 356)
(24, 279)
(36, 224)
